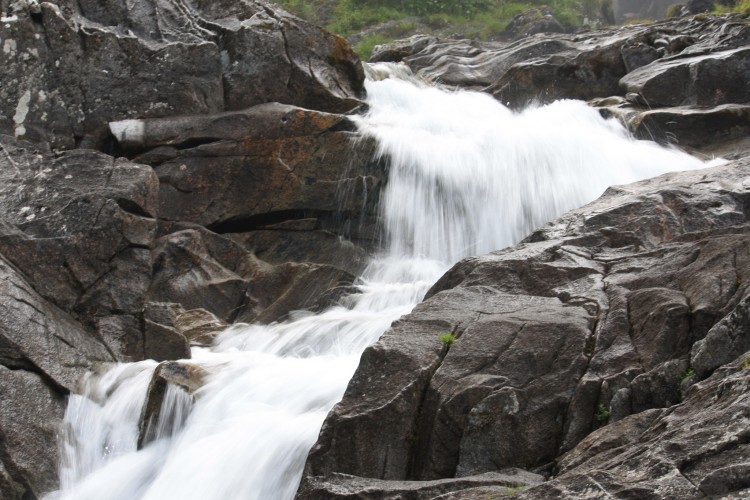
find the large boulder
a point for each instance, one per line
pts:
(592, 315)
(689, 126)
(707, 79)
(79, 226)
(199, 269)
(286, 183)
(273, 163)
(43, 354)
(68, 68)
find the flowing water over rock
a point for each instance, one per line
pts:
(467, 176)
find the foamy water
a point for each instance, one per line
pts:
(467, 176)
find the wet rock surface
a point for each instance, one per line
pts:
(595, 318)
(146, 151)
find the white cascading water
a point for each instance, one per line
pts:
(467, 176)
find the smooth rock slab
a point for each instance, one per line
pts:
(37, 336)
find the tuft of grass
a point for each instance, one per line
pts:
(448, 339)
(740, 6)
(365, 47)
(603, 413)
(688, 374)
(746, 364)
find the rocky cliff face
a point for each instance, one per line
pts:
(165, 168)
(607, 354)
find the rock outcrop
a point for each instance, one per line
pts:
(593, 319)
(71, 67)
(166, 168)
(681, 81)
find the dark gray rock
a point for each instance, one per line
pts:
(287, 166)
(72, 67)
(637, 54)
(400, 49)
(29, 417)
(651, 60)
(689, 126)
(725, 341)
(289, 287)
(199, 269)
(309, 240)
(704, 80)
(199, 326)
(79, 226)
(163, 413)
(697, 448)
(37, 336)
(162, 341)
(598, 310)
(592, 72)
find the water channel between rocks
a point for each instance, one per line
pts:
(466, 176)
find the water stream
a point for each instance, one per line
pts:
(467, 176)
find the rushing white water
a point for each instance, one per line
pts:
(467, 176)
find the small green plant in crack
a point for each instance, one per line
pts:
(603, 413)
(746, 364)
(448, 339)
(688, 374)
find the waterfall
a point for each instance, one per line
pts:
(466, 176)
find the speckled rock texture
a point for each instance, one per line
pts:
(166, 168)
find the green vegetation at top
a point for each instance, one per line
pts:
(380, 21)
(371, 22)
(738, 6)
